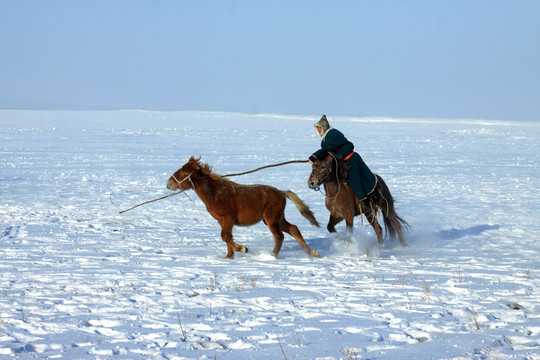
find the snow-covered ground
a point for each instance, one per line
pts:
(80, 280)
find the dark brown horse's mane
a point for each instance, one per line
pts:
(342, 169)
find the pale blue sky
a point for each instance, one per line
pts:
(449, 59)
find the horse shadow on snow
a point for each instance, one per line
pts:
(364, 244)
(454, 234)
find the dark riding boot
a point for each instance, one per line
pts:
(361, 179)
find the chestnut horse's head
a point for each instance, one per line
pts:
(321, 172)
(181, 178)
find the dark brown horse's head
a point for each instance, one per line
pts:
(326, 169)
(181, 178)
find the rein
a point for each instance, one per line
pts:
(337, 179)
(184, 179)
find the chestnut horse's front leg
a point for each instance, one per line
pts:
(226, 235)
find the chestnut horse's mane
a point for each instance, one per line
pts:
(205, 169)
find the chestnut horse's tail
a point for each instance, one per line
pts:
(391, 218)
(302, 207)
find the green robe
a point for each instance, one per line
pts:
(361, 179)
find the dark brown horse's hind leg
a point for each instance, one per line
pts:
(393, 223)
(372, 218)
(292, 230)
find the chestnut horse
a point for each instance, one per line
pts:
(343, 203)
(244, 205)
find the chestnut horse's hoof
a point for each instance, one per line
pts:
(313, 253)
(245, 250)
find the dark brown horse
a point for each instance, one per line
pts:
(343, 203)
(243, 205)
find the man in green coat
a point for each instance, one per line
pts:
(361, 179)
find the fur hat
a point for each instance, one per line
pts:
(323, 123)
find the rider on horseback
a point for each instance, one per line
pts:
(361, 179)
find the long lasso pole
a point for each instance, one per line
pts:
(267, 166)
(229, 175)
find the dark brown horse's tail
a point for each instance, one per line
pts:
(302, 207)
(386, 204)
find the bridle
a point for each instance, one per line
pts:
(184, 179)
(337, 177)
